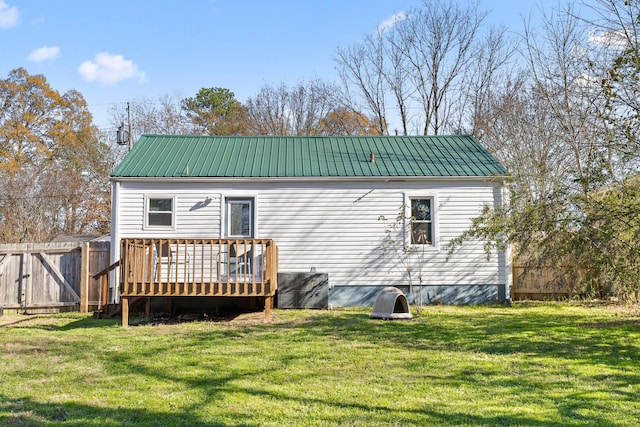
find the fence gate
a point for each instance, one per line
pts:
(50, 277)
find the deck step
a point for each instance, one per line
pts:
(112, 310)
(107, 311)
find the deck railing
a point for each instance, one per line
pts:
(198, 268)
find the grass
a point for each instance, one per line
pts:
(529, 364)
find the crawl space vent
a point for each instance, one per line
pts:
(391, 304)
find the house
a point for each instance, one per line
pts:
(213, 206)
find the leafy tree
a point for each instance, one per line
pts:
(52, 163)
(346, 122)
(216, 111)
(573, 198)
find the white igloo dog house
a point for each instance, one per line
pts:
(391, 304)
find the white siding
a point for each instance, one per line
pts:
(195, 217)
(333, 227)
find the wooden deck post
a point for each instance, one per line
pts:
(268, 305)
(105, 290)
(147, 309)
(125, 312)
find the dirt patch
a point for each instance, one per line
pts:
(15, 320)
(239, 318)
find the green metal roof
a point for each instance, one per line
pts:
(305, 156)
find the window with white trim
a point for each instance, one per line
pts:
(422, 230)
(239, 217)
(160, 212)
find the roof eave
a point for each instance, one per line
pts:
(309, 179)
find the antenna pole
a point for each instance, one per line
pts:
(129, 141)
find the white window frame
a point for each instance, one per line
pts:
(147, 204)
(224, 224)
(435, 235)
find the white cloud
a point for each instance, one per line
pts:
(8, 15)
(392, 21)
(110, 69)
(43, 53)
(609, 39)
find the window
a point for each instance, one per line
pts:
(421, 221)
(239, 213)
(160, 212)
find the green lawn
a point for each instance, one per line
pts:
(530, 364)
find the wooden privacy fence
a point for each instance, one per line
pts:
(536, 283)
(51, 277)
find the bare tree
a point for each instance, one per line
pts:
(268, 111)
(438, 42)
(616, 27)
(491, 71)
(298, 110)
(397, 77)
(559, 62)
(432, 67)
(163, 115)
(362, 66)
(520, 130)
(309, 104)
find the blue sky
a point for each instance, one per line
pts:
(122, 50)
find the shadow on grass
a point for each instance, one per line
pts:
(212, 387)
(27, 412)
(211, 369)
(337, 411)
(40, 323)
(15, 322)
(500, 332)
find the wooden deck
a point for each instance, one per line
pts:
(197, 268)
